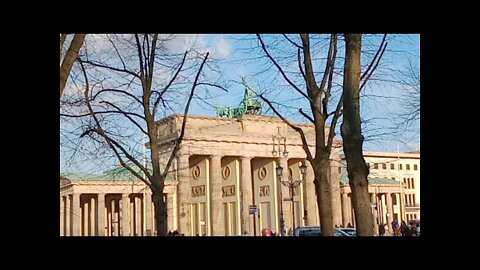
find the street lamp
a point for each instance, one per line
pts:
(277, 143)
(291, 184)
(279, 170)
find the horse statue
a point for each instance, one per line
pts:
(226, 111)
(247, 106)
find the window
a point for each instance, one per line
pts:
(415, 167)
(399, 166)
(339, 170)
(393, 178)
(392, 166)
(408, 167)
(384, 166)
(413, 183)
(375, 165)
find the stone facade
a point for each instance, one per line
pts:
(231, 167)
(394, 189)
(224, 166)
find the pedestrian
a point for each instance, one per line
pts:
(404, 229)
(381, 229)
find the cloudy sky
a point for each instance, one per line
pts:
(234, 58)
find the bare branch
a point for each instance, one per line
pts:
(109, 67)
(337, 113)
(182, 132)
(62, 41)
(152, 54)
(326, 99)
(281, 70)
(299, 58)
(306, 115)
(118, 53)
(294, 44)
(375, 57)
(117, 91)
(297, 129)
(160, 95)
(140, 59)
(100, 112)
(113, 144)
(69, 59)
(374, 67)
(331, 50)
(214, 85)
(127, 114)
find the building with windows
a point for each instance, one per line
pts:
(225, 168)
(394, 184)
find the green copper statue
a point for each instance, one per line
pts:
(247, 106)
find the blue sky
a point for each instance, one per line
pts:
(234, 58)
(381, 98)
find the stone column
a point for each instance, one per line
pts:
(75, 215)
(170, 212)
(138, 216)
(389, 210)
(184, 194)
(131, 217)
(352, 210)
(125, 215)
(345, 210)
(100, 231)
(62, 216)
(247, 195)
(148, 212)
(68, 215)
(84, 217)
(373, 199)
(93, 222)
(312, 212)
(216, 180)
(115, 219)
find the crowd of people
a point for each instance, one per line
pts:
(403, 229)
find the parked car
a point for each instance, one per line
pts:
(316, 231)
(349, 231)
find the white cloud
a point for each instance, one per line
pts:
(222, 48)
(184, 42)
(97, 43)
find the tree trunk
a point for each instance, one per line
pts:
(69, 59)
(160, 213)
(352, 137)
(324, 195)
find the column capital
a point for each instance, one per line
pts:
(246, 157)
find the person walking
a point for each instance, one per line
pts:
(381, 229)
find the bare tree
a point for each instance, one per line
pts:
(70, 57)
(352, 136)
(131, 96)
(319, 97)
(410, 114)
